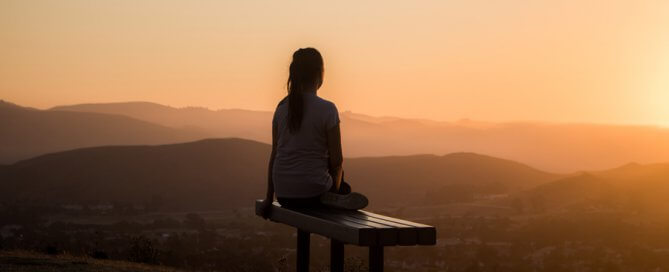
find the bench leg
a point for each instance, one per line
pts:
(302, 251)
(376, 259)
(336, 256)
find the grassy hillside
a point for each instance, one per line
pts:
(24, 261)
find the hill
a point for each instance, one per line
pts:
(632, 188)
(223, 173)
(203, 174)
(558, 147)
(657, 172)
(442, 178)
(27, 132)
(23, 261)
(583, 190)
(252, 125)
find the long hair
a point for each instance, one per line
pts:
(306, 71)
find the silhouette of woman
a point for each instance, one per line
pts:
(305, 166)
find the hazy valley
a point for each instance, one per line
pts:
(157, 185)
(555, 147)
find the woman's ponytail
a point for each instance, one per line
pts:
(306, 71)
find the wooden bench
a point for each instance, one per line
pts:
(349, 227)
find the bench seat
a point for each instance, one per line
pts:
(349, 227)
(354, 227)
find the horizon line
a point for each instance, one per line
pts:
(425, 119)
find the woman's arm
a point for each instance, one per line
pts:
(335, 153)
(269, 198)
(270, 183)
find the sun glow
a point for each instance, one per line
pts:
(444, 60)
(658, 88)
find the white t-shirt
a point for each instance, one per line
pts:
(301, 163)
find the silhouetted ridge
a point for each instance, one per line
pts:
(130, 108)
(224, 173)
(5, 105)
(631, 165)
(26, 133)
(223, 123)
(415, 178)
(632, 188)
(549, 146)
(204, 174)
(574, 187)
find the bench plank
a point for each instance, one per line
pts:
(347, 232)
(354, 227)
(427, 235)
(406, 235)
(386, 235)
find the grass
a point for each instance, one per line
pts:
(25, 261)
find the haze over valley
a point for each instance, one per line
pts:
(555, 147)
(165, 180)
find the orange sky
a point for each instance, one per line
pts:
(574, 61)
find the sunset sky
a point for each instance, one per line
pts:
(560, 61)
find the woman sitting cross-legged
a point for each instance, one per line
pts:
(305, 166)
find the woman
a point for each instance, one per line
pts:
(305, 167)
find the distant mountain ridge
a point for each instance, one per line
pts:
(9, 105)
(247, 124)
(549, 146)
(224, 173)
(27, 132)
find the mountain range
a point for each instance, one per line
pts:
(230, 173)
(27, 132)
(556, 147)
(565, 148)
(221, 173)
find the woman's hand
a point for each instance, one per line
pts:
(266, 208)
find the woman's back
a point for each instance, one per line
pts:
(305, 167)
(301, 164)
